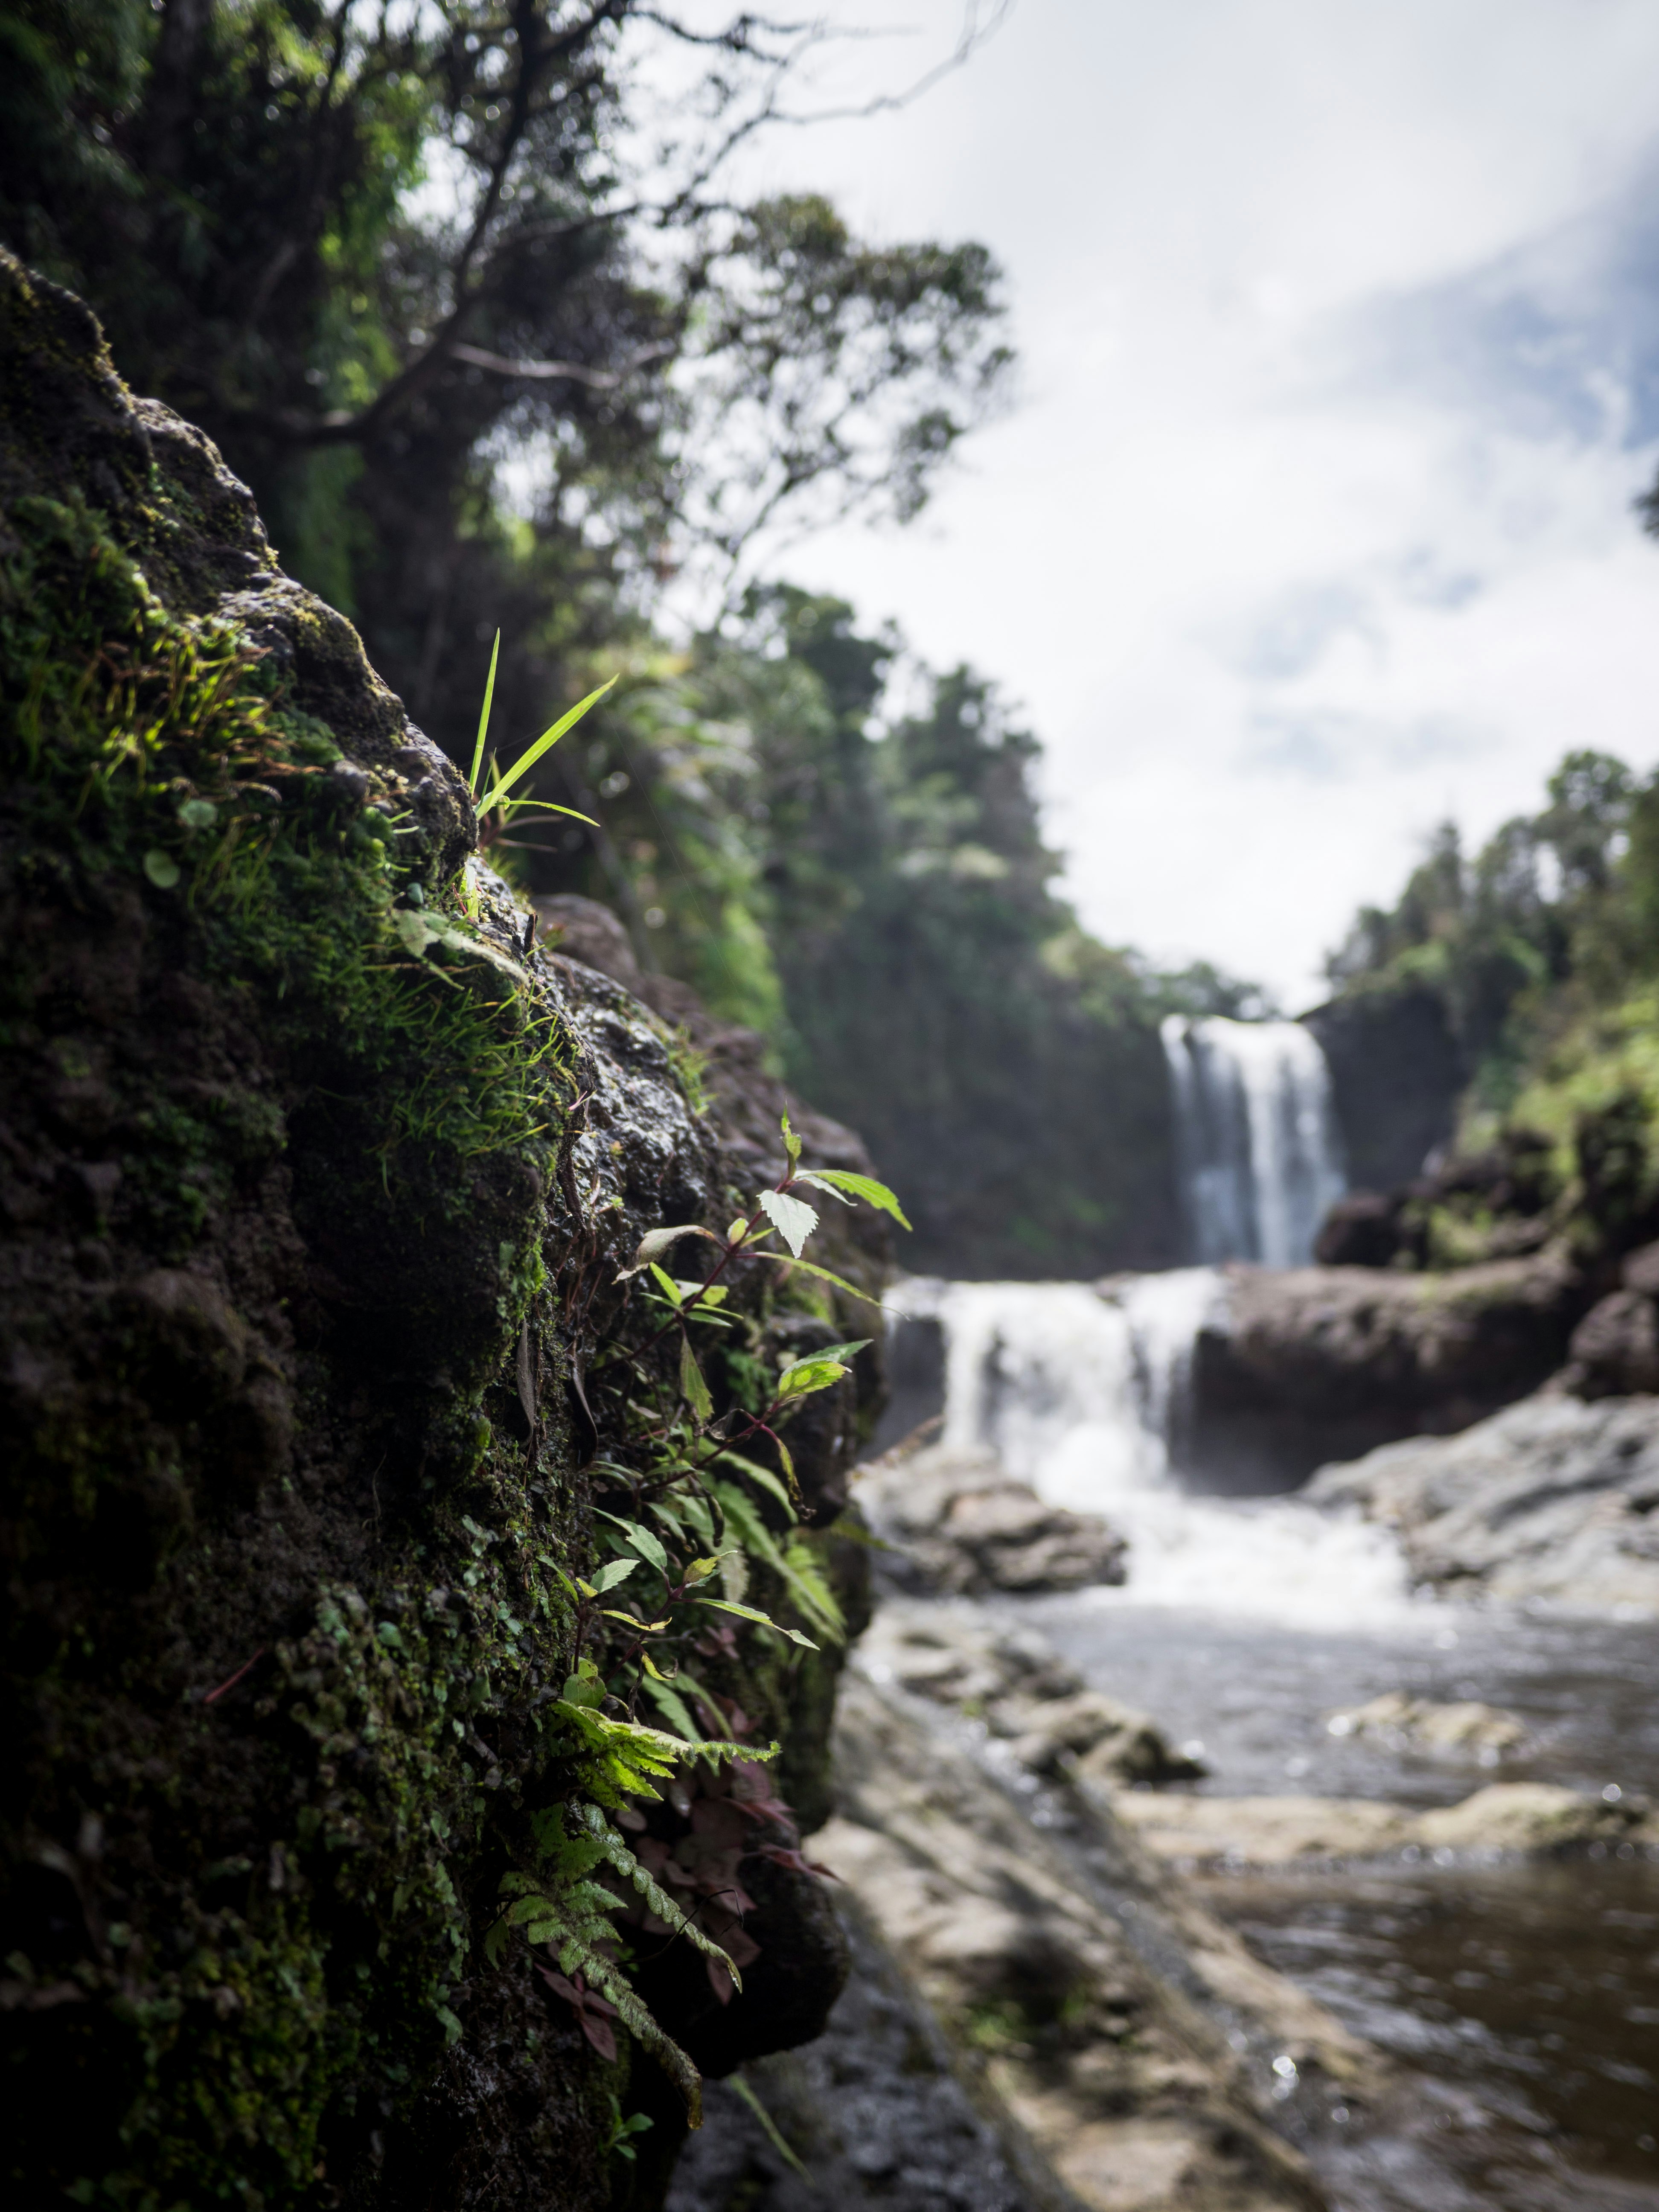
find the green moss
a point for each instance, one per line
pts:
(157, 759)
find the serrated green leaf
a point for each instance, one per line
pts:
(614, 1572)
(805, 1376)
(845, 1352)
(693, 1389)
(762, 1620)
(861, 1186)
(793, 1219)
(648, 1546)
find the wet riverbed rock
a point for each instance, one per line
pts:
(1530, 1818)
(1015, 1684)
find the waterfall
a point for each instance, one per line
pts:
(1256, 1142)
(1077, 1390)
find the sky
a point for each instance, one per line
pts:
(1308, 526)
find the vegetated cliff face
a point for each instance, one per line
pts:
(316, 1178)
(1455, 1292)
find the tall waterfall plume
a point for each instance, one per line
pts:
(1257, 1147)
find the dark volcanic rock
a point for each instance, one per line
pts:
(1360, 1231)
(1614, 1349)
(873, 2112)
(1396, 1074)
(1322, 1362)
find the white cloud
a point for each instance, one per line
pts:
(1341, 339)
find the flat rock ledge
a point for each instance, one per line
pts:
(1533, 1819)
(1551, 1500)
(1013, 1686)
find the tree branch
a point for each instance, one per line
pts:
(598, 380)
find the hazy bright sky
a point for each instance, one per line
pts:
(1310, 523)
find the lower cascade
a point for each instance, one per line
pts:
(1081, 1392)
(1257, 1147)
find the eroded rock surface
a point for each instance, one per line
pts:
(1021, 1691)
(1553, 1499)
(1529, 1817)
(1092, 2008)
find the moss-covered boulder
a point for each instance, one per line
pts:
(323, 1400)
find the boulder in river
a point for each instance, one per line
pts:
(1467, 1728)
(1551, 1499)
(1298, 1367)
(966, 1528)
(1539, 1818)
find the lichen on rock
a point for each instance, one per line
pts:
(317, 1178)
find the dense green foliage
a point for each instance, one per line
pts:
(874, 891)
(382, 257)
(459, 296)
(1543, 952)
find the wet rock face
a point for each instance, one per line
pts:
(1537, 1819)
(1615, 1350)
(305, 1256)
(1551, 1498)
(1396, 1072)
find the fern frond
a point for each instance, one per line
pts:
(608, 1978)
(655, 1896)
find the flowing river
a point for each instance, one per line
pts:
(1531, 1988)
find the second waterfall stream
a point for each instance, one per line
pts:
(1075, 1390)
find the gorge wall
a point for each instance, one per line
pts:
(323, 1399)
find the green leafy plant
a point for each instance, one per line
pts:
(617, 2143)
(690, 1526)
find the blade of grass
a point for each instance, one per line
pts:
(528, 758)
(484, 721)
(773, 2133)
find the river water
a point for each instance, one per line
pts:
(1528, 1991)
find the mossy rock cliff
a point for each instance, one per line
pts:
(316, 1180)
